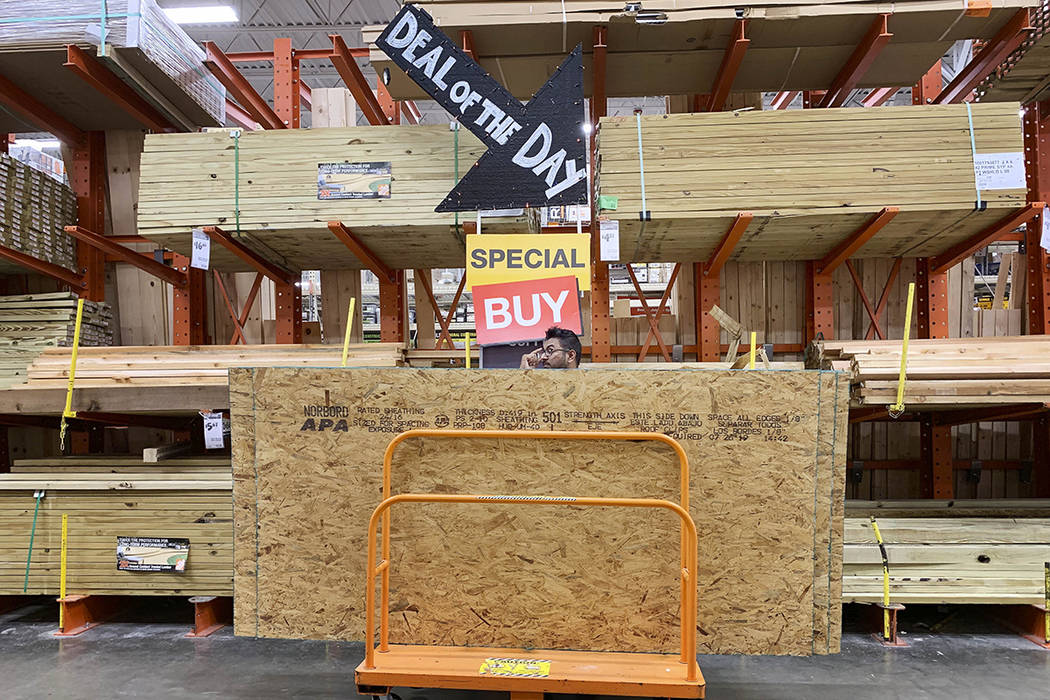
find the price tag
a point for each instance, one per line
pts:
(609, 231)
(212, 431)
(201, 250)
(1044, 238)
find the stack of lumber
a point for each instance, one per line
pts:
(143, 48)
(109, 497)
(810, 177)
(129, 366)
(963, 554)
(31, 323)
(795, 44)
(1025, 74)
(190, 180)
(33, 209)
(942, 373)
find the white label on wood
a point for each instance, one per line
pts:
(999, 171)
(1044, 239)
(201, 250)
(213, 431)
(610, 240)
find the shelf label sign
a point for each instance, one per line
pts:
(999, 171)
(512, 312)
(609, 233)
(536, 152)
(201, 256)
(353, 181)
(518, 668)
(496, 258)
(152, 553)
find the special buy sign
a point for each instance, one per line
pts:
(536, 152)
(515, 311)
(494, 258)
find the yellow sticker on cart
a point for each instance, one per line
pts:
(517, 668)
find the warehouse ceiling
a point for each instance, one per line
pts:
(308, 23)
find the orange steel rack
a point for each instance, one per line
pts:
(527, 674)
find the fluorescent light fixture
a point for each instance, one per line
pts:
(38, 144)
(207, 14)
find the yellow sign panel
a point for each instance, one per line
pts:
(518, 668)
(494, 258)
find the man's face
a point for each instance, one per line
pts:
(554, 355)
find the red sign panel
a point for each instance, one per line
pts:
(514, 311)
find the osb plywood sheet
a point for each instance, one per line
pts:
(766, 451)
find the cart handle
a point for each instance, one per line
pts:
(688, 542)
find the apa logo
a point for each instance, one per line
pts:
(324, 424)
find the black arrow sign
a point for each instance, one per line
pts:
(536, 152)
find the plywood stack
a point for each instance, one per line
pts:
(810, 177)
(943, 373)
(130, 366)
(795, 44)
(32, 323)
(143, 47)
(33, 209)
(987, 552)
(109, 497)
(767, 454)
(190, 180)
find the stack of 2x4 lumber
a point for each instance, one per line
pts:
(1025, 74)
(202, 179)
(32, 323)
(109, 497)
(947, 373)
(936, 554)
(162, 366)
(795, 44)
(810, 177)
(33, 209)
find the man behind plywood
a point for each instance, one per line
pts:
(561, 350)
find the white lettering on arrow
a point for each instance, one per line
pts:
(542, 132)
(407, 22)
(418, 41)
(428, 62)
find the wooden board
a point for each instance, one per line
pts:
(769, 532)
(191, 180)
(812, 178)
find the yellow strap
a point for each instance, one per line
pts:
(62, 572)
(885, 581)
(898, 408)
(349, 327)
(466, 350)
(67, 412)
(751, 361)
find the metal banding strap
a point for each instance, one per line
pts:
(643, 215)
(978, 204)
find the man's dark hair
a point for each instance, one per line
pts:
(567, 339)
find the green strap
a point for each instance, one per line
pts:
(32, 536)
(973, 150)
(102, 31)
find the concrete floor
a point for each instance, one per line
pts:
(965, 658)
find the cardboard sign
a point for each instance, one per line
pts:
(517, 311)
(497, 258)
(999, 171)
(353, 181)
(536, 153)
(152, 553)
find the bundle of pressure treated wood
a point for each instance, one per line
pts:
(675, 47)
(955, 371)
(31, 323)
(193, 365)
(273, 179)
(33, 209)
(950, 556)
(110, 497)
(1025, 74)
(810, 177)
